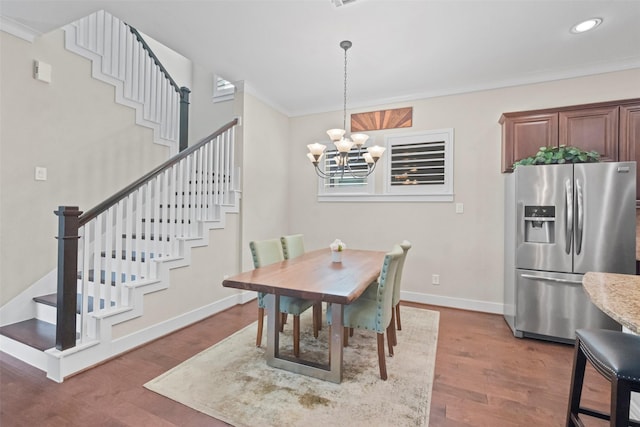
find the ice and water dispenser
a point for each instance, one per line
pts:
(539, 224)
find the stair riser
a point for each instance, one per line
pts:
(47, 313)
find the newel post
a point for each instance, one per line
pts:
(184, 118)
(67, 276)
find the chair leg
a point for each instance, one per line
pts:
(317, 318)
(381, 357)
(399, 326)
(390, 337)
(393, 336)
(350, 332)
(296, 336)
(260, 323)
(575, 391)
(345, 337)
(318, 306)
(283, 320)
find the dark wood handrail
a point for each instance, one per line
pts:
(102, 207)
(153, 56)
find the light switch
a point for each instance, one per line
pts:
(459, 208)
(42, 71)
(41, 173)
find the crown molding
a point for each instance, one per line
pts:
(18, 29)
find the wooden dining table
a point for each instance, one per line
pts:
(312, 276)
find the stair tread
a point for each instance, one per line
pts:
(33, 332)
(52, 300)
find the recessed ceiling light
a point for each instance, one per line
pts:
(587, 25)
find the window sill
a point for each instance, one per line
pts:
(385, 198)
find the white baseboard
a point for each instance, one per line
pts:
(72, 361)
(27, 354)
(461, 303)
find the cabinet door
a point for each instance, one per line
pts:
(523, 136)
(591, 129)
(630, 139)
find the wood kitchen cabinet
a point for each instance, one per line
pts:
(610, 128)
(629, 139)
(522, 136)
(591, 129)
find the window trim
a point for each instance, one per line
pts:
(444, 193)
(443, 190)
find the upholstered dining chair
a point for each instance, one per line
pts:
(293, 246)
(265, 252)
(375, 314)
(372, 290)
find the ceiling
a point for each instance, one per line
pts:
(288, 53)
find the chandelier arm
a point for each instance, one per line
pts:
(360, 176)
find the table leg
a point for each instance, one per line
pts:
(335, 344)
(331, 372)
(273, 326)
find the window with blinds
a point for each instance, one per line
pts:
(223, 90)
(345, 183)
(420, 163)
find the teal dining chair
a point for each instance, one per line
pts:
(293, 246)
(372, 290)
(375, 314)
(265, 252)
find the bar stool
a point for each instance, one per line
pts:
(616, 356)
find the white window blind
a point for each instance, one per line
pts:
(420, 163)
(345, 183)
(223, 90)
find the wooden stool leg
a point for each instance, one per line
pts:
(260, 323)
(620, 402)
(577, 379)
(381, 357)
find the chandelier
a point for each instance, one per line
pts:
(347, 156)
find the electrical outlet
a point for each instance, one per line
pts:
(435, 279)
(459, 208)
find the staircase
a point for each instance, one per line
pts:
(119, 56)
(114, 254)
(126, 247)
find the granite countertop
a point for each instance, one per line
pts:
(618, 295)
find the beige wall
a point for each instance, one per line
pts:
(265, 174)
(90, 146)
(205, 116)
(466, 249)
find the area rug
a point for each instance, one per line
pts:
(232, 382)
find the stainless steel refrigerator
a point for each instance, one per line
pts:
(561, 222)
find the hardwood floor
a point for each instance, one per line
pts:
(483, 377)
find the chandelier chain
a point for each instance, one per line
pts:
(344, 117)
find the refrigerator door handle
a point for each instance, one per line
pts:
(568, 225)
(551, 279)
(580, 213)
